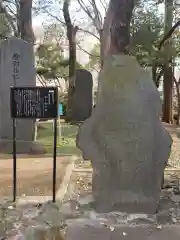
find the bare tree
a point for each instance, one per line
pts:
(177, 85)
(94, 15)
(25, 21)
(19, 16)
(71, 35)
(10, 14)
(116, 35)
(92, 24)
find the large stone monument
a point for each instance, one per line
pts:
(82, 97)
(125, 139)
(16, 69)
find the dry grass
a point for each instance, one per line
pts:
(34, 176)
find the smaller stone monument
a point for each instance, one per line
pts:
(82, 98)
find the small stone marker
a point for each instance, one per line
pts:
(82, 99)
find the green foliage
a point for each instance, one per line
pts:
(147, 29)
(49, 58)
(50, 62)
(63, 98)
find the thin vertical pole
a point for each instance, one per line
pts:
(54, 159)
(14, 161)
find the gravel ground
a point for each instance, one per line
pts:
(80, 185)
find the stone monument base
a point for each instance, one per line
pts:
(75, 220)
(22, 147)
(93, 229)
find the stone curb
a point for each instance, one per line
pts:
(33, 199)
(61, 192)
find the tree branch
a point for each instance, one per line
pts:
(41, 80)
(97, 19)
(104, 5)
(71, 35)
(92, 55)
(8, 17)
(165, 38)
(169, 34)
(93, 68)
(66, 14)
(55, 17)
(90, 33)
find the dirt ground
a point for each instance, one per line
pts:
(34, 176)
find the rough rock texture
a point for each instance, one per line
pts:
(125, 139)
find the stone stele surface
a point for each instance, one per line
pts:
(125, 139)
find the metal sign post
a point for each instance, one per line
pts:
(33, 103)
(14, 161)
(54, 159)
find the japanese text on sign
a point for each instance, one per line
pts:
(34, 102)
(16, 67)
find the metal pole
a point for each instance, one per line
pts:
(59, 128)
(14, 161)
(54, 159)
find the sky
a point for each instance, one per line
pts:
(89, 42)
(79, 17)
(74, 12)
(38, 20)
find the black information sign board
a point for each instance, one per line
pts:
(33, 103)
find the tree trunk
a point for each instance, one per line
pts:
(101, 48)
(71, 35)
(178, 110)
(25, 21)
(168, 79)
(177, 85)
(167, 102)
(116, 30)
